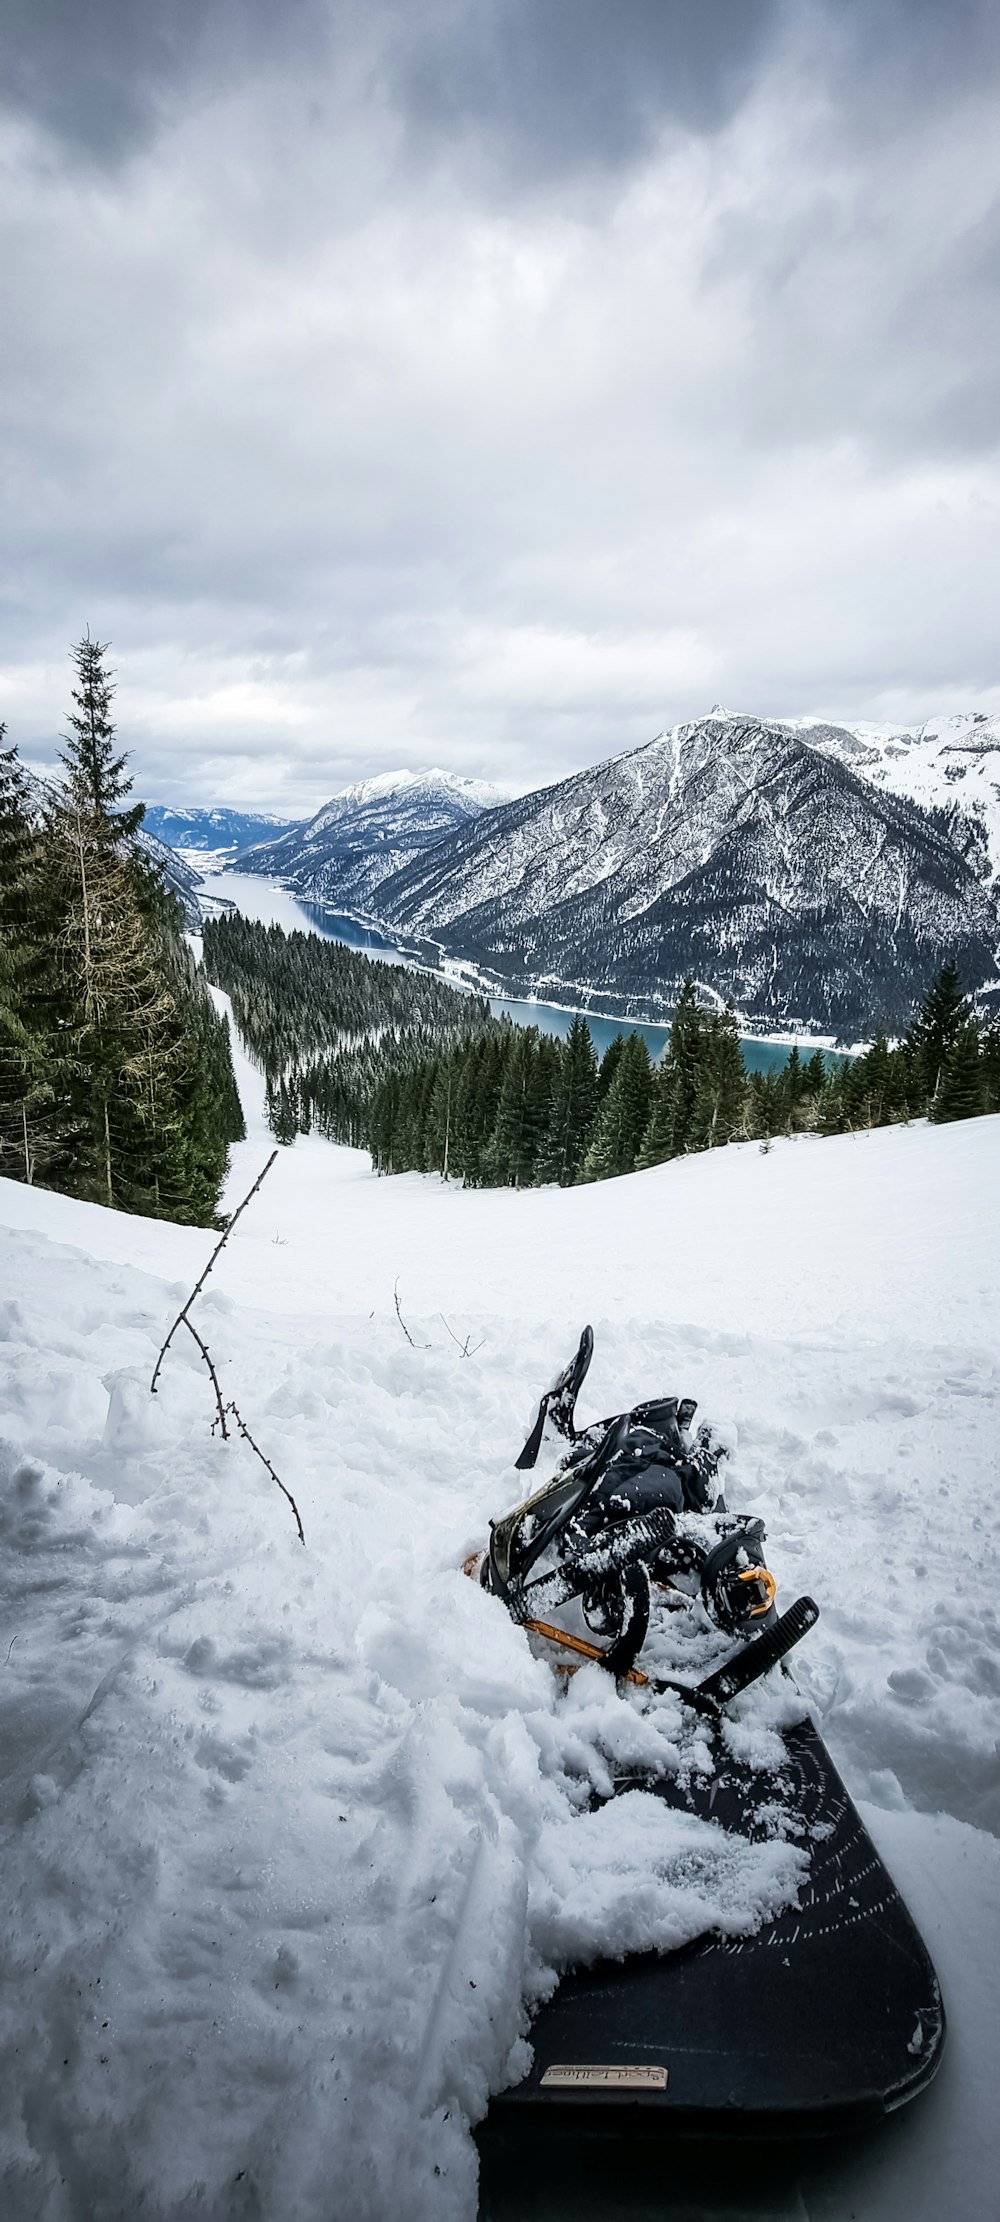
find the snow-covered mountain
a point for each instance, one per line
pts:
(212, 829)
(950, 764)
(735, 848)
(369, 831)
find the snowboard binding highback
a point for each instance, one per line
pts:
(634, 1500)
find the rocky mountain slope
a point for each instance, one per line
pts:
(948, 763)
(369, 831)
(213, 829)
(737, 849)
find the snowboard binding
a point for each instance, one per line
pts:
(634, 1500)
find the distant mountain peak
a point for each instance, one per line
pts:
(480, 792)
(370, 829)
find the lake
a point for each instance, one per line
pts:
(263, 899)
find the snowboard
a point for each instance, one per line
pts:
(824, 2021)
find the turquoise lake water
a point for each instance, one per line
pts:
(274, 905)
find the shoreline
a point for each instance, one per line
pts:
(463, 974)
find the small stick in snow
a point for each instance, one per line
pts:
(248, 1438)
(402, 1322)
(463, 1346)
(199, 1285)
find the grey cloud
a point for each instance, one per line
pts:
(356, 465)
(520, 91)
(517, 88)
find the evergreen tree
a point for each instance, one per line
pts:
(668, 1131)
(720, 1083)
(574, 1104)
(960, 1092)
(990, 1066)
(936, 1030)
(137, 1051)
(97, 778)
(609, 1065)
(522, 1112)
(36, 1128)
(623, 1116)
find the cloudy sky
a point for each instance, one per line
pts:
(489, 383)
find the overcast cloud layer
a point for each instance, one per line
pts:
(489, 383)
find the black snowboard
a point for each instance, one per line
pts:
(827, 2019)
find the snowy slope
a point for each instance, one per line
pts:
(950, 764)
(369, 831)
(288, 1834)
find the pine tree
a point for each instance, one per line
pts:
(573, 1106)
(138, 1053)
(990, 1066)
(98, 780)
(623, 1116)
(669, 1128)
(936, 1029)
(960, 1092)
(522, 1111)
(717, 1113)
(36, 1128)
(609, 1065)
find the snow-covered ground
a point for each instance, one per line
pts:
(291, 1835)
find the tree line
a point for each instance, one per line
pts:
(516, 1108)
(400, 1063)
(116, 1081)
(328, 1025)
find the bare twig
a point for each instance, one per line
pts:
(463, 1346)
(206, 1354)
(199, 1285)
(10, 1648)
(248, 1438)
(402, 1322)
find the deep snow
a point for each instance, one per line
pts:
(289, 1835)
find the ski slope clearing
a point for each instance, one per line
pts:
(292, 1836)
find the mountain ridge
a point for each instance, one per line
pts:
(728, 848)
(369, 831)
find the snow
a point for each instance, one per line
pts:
(292, 1837)
(433, 787)
(950, 763)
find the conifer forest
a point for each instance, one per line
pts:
(116, 1081)
(401, 1063)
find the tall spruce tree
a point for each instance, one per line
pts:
(717, 1112)
(138, 1051)
(961, 1087)
(669, 1128)
(623, 1117)
(574, 1103)
(36, 1127)
(936, 1029)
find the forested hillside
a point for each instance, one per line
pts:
(328, 1025)
(116, 1082)
(519, 1109)
(383, 1057)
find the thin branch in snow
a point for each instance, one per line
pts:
(463, 1346)
(402, 1322)
(248, 1438)
(206, 1354)
(199, 1285)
